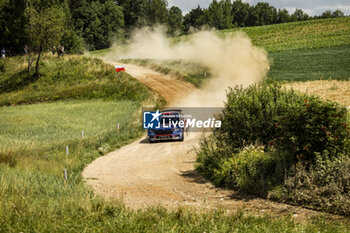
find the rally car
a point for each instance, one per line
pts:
(169, 129)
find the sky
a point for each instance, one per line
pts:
(311, 7)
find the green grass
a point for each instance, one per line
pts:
(72, 77)
(49, 124)
(100, 52)
(297, 35)
(70, 207)
(311, 64)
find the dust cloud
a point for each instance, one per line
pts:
(232, 60)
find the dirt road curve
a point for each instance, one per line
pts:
(169, 88)
(145, 174)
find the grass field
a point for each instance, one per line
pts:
(297, 35)
(311, 64)
(331, 63)
(33, 130)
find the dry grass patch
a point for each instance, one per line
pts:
(337, 91)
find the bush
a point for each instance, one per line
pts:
(251, 171)
(72, 42)
(282, 119)
(325, 185)
(288, 128)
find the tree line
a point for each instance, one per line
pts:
(41, 25)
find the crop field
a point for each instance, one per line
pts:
(296, 35)
(311, 64)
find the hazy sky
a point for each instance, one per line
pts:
(312, 7)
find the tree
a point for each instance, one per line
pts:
(175, 21)
(299, 15)
(265, 13)
(134, 12)
(156, 12)
(191, 19)
(44, 31)
(12, 22)
(218, 15)
(240, 13)
(326, 15)
(112, 20)
(98, 23)
(283, 16)
(253, 17)
(337, 14)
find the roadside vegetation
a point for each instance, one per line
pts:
(283, 145)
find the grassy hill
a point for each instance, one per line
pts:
(73, 77)
(296, 35)
(301, 51)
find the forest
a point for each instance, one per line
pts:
(84, 25)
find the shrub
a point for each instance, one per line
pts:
(251, 171)
(282, 119)
(72, 42)
(325, 185)
(289, 128)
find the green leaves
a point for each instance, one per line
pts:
(282, 119)
(46, 27)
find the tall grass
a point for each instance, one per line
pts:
(71, 77)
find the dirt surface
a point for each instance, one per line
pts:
(144, 174)
(169, 88)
